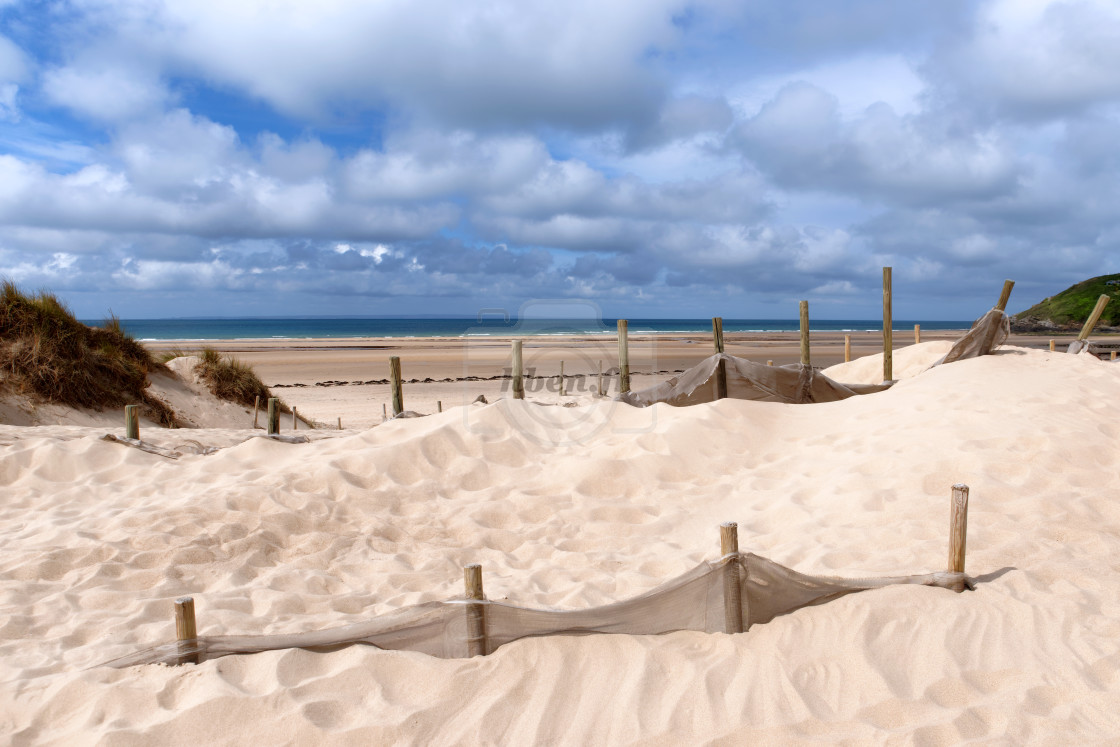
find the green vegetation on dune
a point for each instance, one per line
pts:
(1070, 308)
(47, 353)
(230, 379)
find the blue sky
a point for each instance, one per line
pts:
(660, 158)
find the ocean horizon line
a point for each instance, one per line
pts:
(266, 328)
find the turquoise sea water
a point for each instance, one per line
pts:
(256, 328)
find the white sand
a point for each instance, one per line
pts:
(572, 507)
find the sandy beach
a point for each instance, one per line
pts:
(322, 376)
(569, 507)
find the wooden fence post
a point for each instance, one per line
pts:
(888, 334)
(273, 416)
(600, 377)
(721, 367)
(1052, 346)
(561, 378)
(477, 645)
(295, 418)
(1094, 317)
(805, 333)
(439, 405)
(384, 413)
(256, 408)
(1005, 295)
(518, 372)
(917, 334)
(132, 421)
(398, 393)
(847, 348)
(340, 423)
(623, 357)
(732, 592)
(186, 631)
(958, 528)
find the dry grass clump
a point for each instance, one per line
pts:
(46, 352)
(230, 379)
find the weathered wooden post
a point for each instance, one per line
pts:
(477, 645)
(958, 528)
(1094, 317)
(186, 631)
(732, 591)
(518, 372)
(132, 421)
(769, 363)
(561, 378)
(917, 334)
(1005, 295)
(340, 423)
(847, 348)
(600, 377)
(295, 418)
(888, 335)
(439, 405)
(623, 358)
(398, 392)
(1052, 345)
(721, 367)
(384, 413)
(273, 416)
(805, 333)
(256, 408)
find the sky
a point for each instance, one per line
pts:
(656, 158)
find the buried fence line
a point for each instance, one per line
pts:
(727, 595)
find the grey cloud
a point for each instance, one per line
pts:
(800, 139)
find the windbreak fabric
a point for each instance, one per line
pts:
(794, 384)
(692, 601)
(987, 333)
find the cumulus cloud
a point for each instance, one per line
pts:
(676, 153)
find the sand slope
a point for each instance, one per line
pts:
(570, 507)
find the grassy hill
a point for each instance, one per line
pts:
(1069, 309)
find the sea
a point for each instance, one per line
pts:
(188, 330)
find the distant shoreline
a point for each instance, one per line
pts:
(263, 330)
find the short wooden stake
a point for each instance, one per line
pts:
(561, 378)
(384, 413)
(439, 405)
(1094, 317)
(132, 421)
(256, 409)
(847, 348)
(888, 335)
(340, 423)
(295, 418)
(1005, 295)
(600, 377)
(395, 376)
(623, 357)
(805, 333)
(1112, 357)
(732, 592)
(273, 416)
(958, 528)
(186, 631)
(769, 363)
(518, 372)
(476, 613)
(1052, 346)
(917, 334)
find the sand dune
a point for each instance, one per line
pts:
(573, 507)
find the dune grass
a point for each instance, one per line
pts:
(230, 379)
(46, 352)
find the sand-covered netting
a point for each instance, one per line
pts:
(578, 507)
